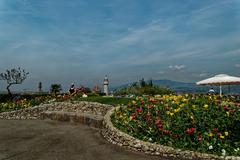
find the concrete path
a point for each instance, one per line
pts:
(50, 140)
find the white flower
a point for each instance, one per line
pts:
(223, 152)
(237, 149)
(150, 139)
(210, 147)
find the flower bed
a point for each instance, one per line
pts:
(207, 124)
(23, 103)
(28, 101)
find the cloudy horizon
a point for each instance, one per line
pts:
(81, 41)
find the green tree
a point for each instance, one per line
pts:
(40, 87)
(142, 82)
(56, 88)
(13, 76)
(150, 83)
(149, 90)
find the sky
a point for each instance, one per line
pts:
(81, 41)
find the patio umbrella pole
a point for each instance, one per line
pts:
(220, 90)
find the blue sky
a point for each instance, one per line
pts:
(61, 41)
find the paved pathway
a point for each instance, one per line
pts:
(50, 140)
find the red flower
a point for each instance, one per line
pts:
(160, 128)
(200, 138)
(176, 136)
(142, 102)
(190, 130)
(226, 108)
(215, 130)
(157, 122)
(133, 116)
(148, 117)
(153, 100)
(139, 110)
(166, 132)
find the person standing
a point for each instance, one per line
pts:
(72, 89)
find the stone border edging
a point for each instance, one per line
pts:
(88, 113)
(115, 136)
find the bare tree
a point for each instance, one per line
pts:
(13, 76)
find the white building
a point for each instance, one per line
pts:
(105, 85)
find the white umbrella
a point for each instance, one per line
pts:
(221, 79)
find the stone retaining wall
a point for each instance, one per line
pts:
(116, 136)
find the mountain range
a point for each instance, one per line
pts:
(185, 87)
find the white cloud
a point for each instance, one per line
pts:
(237, 65)
(202, 74)
(149, 32)
(161, 72)
(176, 67)
(234, 52)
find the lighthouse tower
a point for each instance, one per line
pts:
(105, 85)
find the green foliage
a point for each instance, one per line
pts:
(202, 123)
(147, 89)
(55, 88)
(142, 83)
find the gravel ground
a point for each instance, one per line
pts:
(51, 140)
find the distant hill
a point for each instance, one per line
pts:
(184, 87)
(171, 83)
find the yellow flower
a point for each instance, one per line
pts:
(134, 102)
(205, 106)
(227, 113)
(182, 105)
(176, 110)
(210, 134)
(194, 106)
(226, 133)
(168, 112)
(171, 114)
(222, 137)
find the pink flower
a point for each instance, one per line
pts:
(150, 106)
